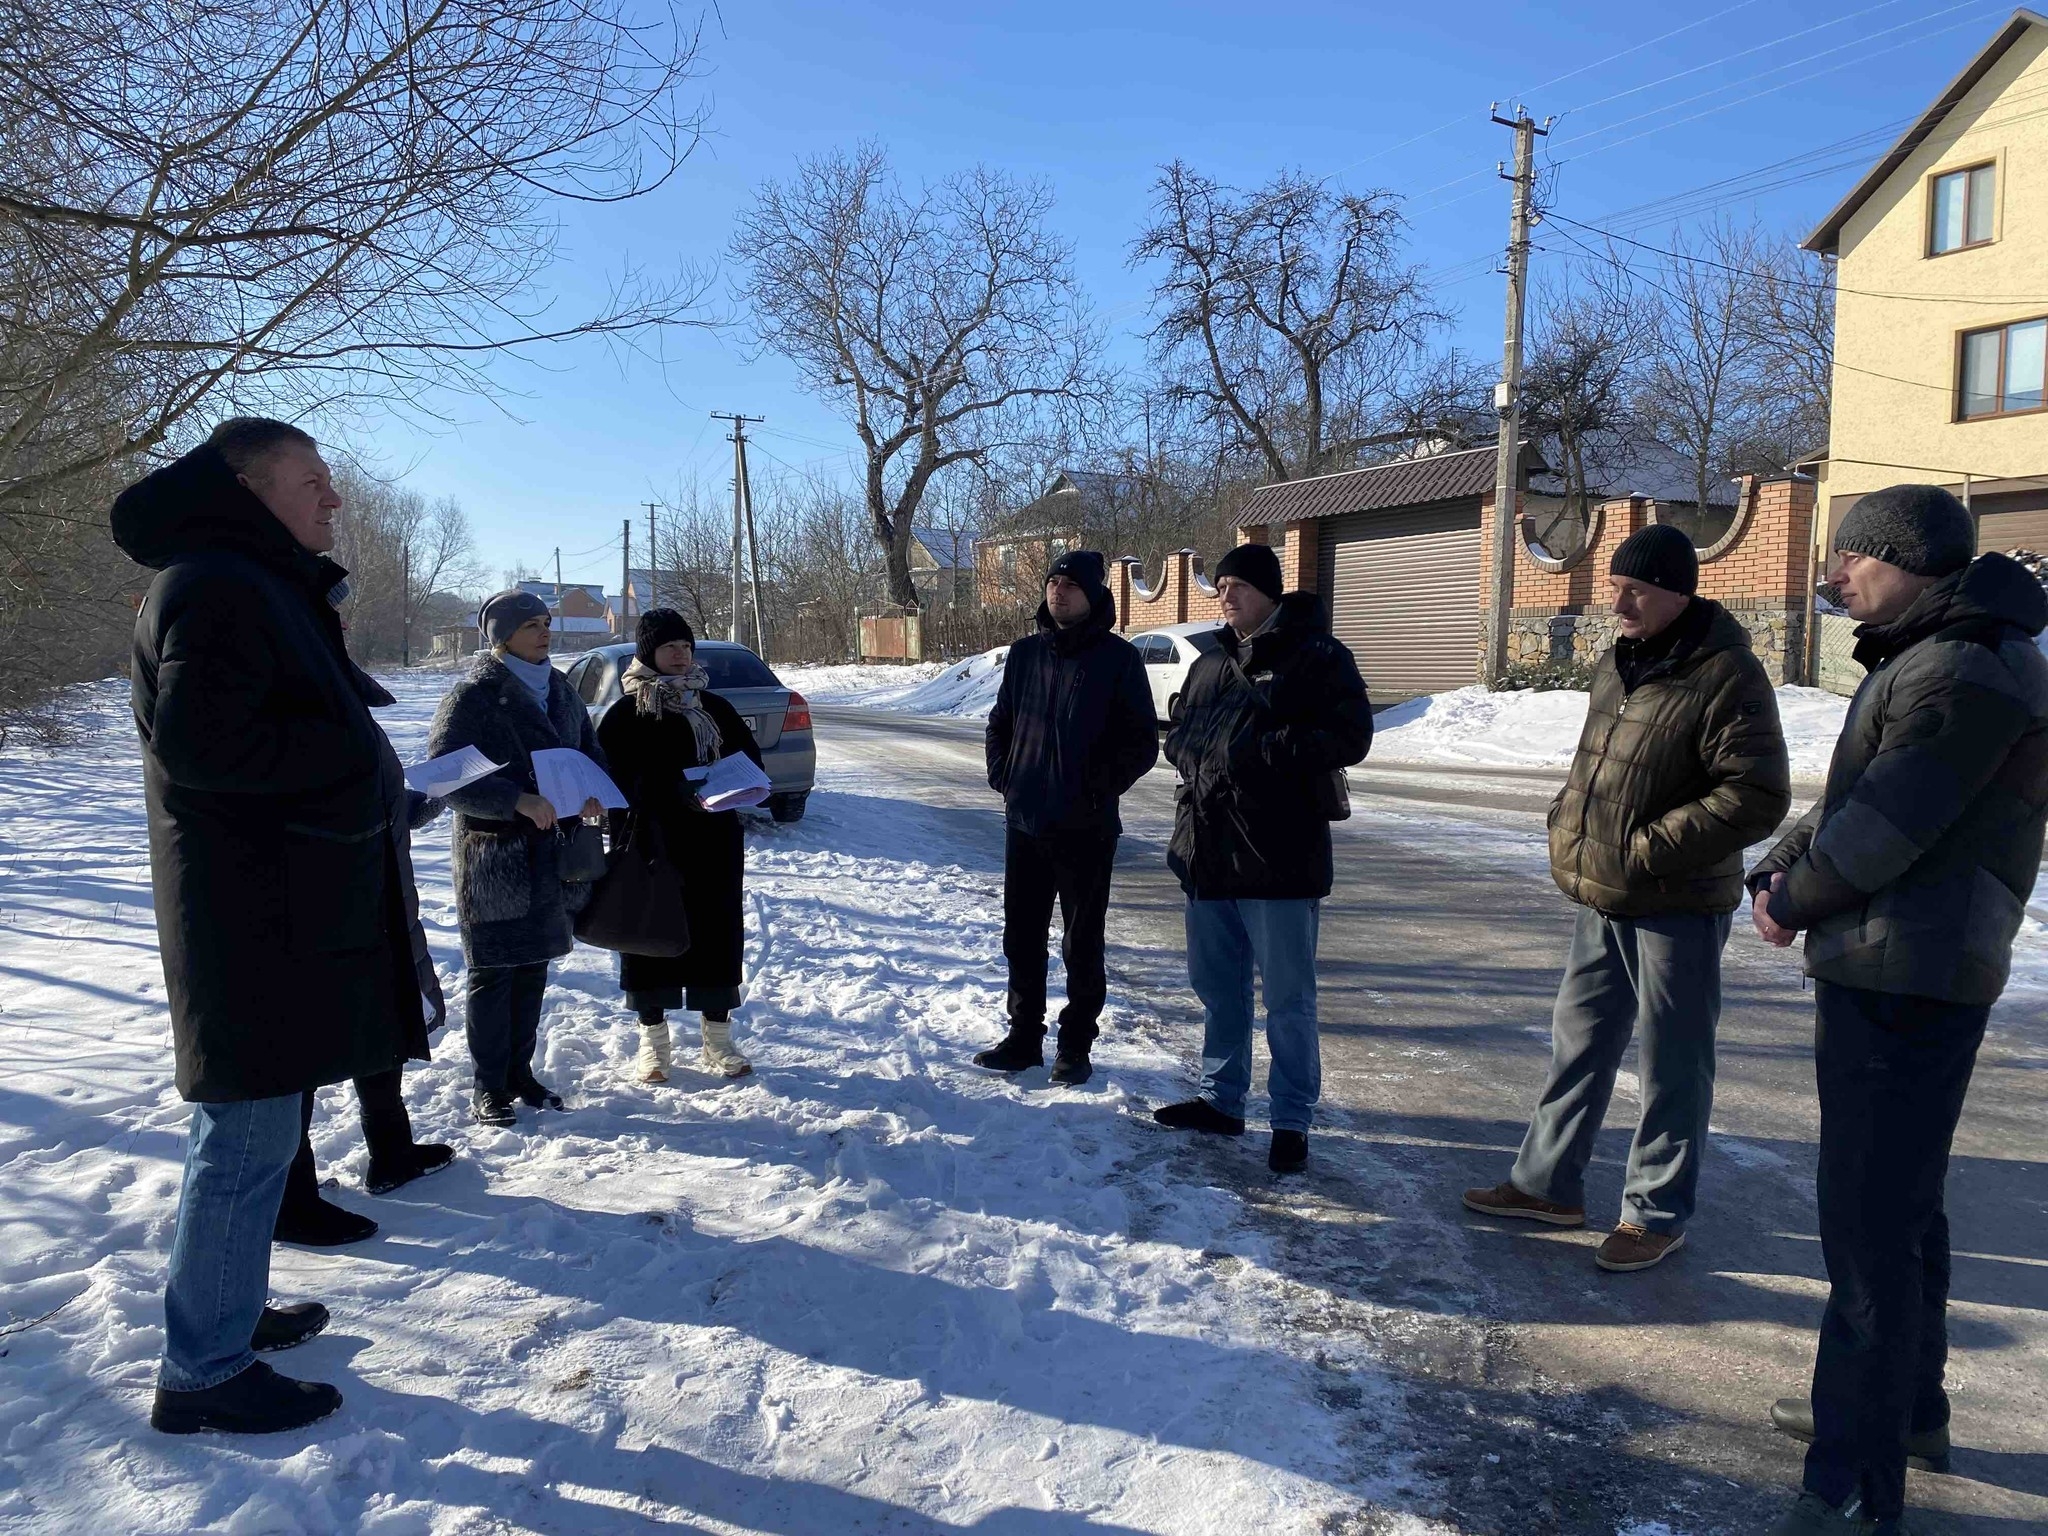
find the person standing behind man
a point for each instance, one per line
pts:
(1909, 878)
(1267, 722)
(288, 961)
(1681, 765)
(1072, 729)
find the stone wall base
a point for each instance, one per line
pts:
(1550, 637)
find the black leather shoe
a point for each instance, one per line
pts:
(489, 1108)
(1019, 1052)
(1072, 1067)
(417, 1162)
(322, 1224)
(533, 1092)
(257, 1402)
(1926, 1449)
(1289, 1152)
(283, 1327)
(1199, 1115)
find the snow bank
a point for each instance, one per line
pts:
(1527, 729)
(965, 689)
(868, 1289)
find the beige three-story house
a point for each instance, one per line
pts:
(1941, 330)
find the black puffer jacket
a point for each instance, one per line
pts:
(277, 809)
(1911, 874)
(1072, 727)
(1261, 726)
(1674, 776)
(510, 898)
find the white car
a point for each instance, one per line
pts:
(1167, 654)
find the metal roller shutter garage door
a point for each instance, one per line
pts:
(1403, 593)
(2002, 530)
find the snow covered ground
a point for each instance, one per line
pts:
(868, 1289)
(961, 688)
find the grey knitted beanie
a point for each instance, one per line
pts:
(1918, 528)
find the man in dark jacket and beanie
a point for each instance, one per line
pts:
(1909, 879)
(1267, 723)
(1072, 729)
(1681, 766)
(287, 957)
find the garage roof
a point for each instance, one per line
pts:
(1403, 483)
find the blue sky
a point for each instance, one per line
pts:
(1093, 98)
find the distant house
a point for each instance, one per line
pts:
(581, 613)
(1010, 561)
(942, 565)
(1941, 322)
(1618, 465)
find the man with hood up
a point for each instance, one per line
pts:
(285, 910)
(1267, 724)
(1909, 879)
(1072, 729)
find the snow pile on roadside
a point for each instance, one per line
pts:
(869, 1288)
(1528, 729)
(864, 683)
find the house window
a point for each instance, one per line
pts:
(1961, 213)
(2004, 371)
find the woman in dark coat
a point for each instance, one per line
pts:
(664, 723)
(513, 905)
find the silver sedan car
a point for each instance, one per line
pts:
(778, 716)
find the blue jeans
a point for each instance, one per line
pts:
(1226, 941)
(236, 1158)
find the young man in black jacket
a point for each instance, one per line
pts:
(1266, 723)
(1072, 729)
(289, 960)
(1909, 879)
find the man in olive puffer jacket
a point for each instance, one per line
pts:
(1909, 879)
(1680, 767)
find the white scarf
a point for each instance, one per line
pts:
(655, 695)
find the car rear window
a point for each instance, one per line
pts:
(735, 668)
(1203, 640)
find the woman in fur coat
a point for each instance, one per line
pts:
(514, 907)
(663, 723)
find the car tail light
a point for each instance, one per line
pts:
(799, 716)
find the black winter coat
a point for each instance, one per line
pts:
(1260, 728)
(708, 848)
(510, 898)
(1072, 728)
(277, 809)
(1911, 874)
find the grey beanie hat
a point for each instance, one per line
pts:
(1918, 528)
(502, 614)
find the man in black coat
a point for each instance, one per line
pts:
(1071, 731)
(287, 956)
(1267, 724)
(1909, 879)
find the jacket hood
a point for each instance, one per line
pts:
(1101, 618)
(195, 505)
(1990, 591)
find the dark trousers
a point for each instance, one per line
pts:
(1074, 869)
(387, 1130)
(504, 1022)
(1893, 1071)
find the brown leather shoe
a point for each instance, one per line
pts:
(1506, 1200)
(1629, 1247)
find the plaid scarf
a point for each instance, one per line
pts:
(656, 695)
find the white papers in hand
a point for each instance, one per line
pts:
(567, 778)
(442, 776)
(732, 784)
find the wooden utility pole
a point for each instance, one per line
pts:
(739, 493)
(405, 612)
(558, 573)
(1507, 394)
(753, 556)
(625, 580)
(653, 559)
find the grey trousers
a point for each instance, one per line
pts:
(1660, 976)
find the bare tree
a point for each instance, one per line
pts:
(1700, 393)
(311, 208)
(402, 553)
(1289, 317)
(944, 320)
(1793, 318)
(693, 554)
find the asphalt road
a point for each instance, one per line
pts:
(1540, 1394)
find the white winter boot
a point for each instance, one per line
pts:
(654, 1060)
(719, 1055)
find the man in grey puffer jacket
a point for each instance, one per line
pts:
(1910, 879)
